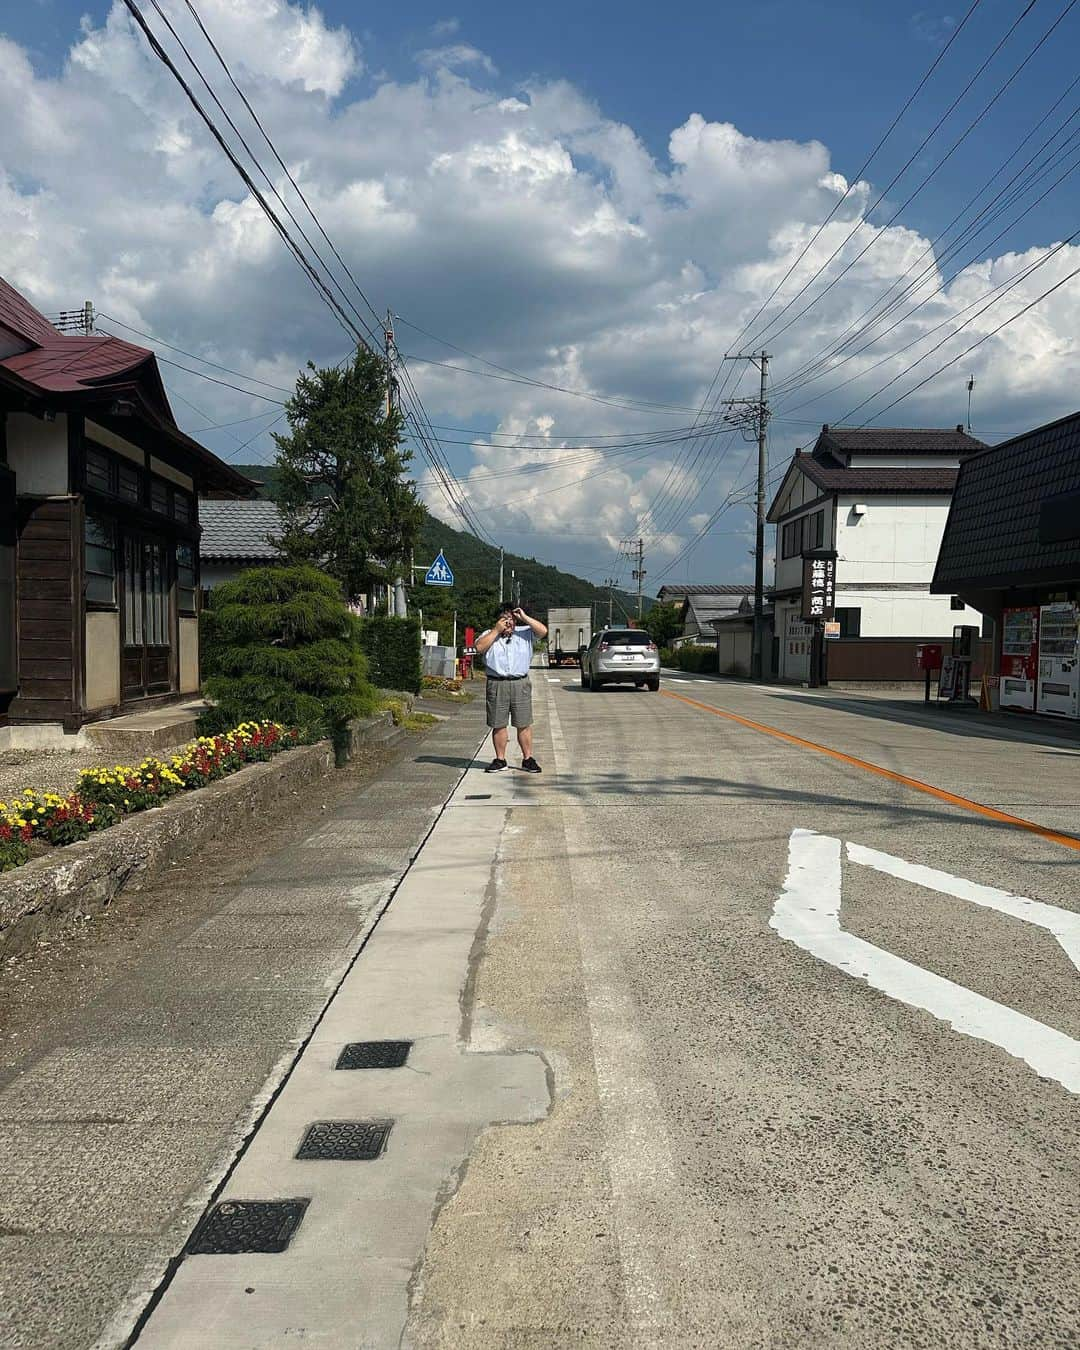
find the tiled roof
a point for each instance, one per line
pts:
(899, 440)
(992, 535)
(837, 478)
(236, 531)
(723, 588)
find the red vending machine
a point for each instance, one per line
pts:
(1019, 657)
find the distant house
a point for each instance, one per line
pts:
(880, 497)
(236, 535)
(702, 604)
(99, 529)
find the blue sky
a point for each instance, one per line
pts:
(597, 196)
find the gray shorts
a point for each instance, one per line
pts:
(509, 702)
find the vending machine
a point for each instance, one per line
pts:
(1019, 657)
(1059, 660)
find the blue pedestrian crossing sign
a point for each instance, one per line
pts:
(439, 574)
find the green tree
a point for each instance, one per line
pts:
(281, 643)
(662, 623)
(340, 482)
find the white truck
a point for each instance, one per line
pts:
(569, 633)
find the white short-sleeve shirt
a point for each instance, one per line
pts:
(513, 655)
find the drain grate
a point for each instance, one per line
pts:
(374, 1055)
(344, 1140)
(478, 796)
(236, 1226)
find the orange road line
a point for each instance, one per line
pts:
(1067, 840)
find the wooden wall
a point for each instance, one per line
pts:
(50, 611)
(892, 659)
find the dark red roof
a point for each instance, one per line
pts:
(108, 367)
(18, 314)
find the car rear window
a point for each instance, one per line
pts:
(633, 637)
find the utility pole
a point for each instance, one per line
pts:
(399, 606)
(634, 549)
(500, 576)
(609, 583)
(755, 415)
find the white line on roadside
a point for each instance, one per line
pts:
(807, 913)
(554, 679)
(644, 1180)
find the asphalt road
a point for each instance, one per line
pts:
(720, 1040)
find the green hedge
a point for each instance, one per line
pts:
(696, 660)
(392, 648)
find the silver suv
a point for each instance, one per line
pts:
(621, 656)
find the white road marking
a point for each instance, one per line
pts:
(808, 914)
(554, 679)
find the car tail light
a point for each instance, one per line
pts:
(605, 646)
(653, 647)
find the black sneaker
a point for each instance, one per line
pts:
(496, 766)
(530, 765)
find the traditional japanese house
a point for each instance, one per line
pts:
(99, 528)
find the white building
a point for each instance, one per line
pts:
(879, 497)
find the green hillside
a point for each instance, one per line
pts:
(476, 577)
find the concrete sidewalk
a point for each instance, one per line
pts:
(120, 1119)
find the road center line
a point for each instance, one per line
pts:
(977, 808)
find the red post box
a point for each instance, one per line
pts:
(928, 657)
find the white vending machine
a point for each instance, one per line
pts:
(1059, 660)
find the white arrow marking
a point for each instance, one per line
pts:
(808, 914)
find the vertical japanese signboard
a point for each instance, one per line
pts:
(819, 585)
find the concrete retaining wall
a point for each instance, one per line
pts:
(83, 878)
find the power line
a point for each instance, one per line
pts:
(853, 182)
(820, 363)
(194, 356)
(960, 356)
(281, 162)
(309, 271)
(770, 329)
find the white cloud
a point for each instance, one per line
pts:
(522, 224)
(453, 56)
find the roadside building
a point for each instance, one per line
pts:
(701, 605)
(1011, 550)
(735, 640)
(879, 497)
(236, 535)
(99, 530)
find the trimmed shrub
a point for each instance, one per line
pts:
(392, 647)
(697, 660)
(280, 645)
(668, 656)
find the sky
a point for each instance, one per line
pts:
(575, 212)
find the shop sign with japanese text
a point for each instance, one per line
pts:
(819, 585)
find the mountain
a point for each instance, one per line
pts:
(476, 567)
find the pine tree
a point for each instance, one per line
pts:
(345, 502)
(280, 643)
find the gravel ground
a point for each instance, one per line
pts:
(48, 770)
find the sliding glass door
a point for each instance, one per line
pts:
(146, 585)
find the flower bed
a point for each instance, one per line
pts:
(105, 796)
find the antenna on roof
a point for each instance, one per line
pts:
(970, 387)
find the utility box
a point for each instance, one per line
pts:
(929, 656)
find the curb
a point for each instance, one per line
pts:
(83, 878)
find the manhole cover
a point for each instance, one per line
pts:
(236, 1226)
(374, 1055)
(344, 1140)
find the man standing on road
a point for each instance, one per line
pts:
(507, 651)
